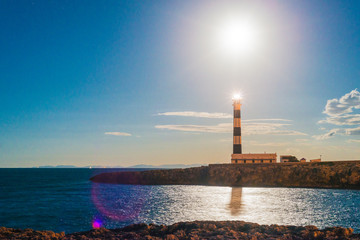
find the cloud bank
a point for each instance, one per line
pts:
(340, 112)
(118, 134)
(345, 104)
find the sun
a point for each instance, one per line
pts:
(237, 36)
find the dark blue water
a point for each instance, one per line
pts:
(65, 200)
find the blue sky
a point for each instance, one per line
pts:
(143, 82)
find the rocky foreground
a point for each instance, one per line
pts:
(192, 230)
(345, 175)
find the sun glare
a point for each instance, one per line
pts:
(237, 96)
(237, 37)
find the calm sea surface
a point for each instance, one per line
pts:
(65, 200)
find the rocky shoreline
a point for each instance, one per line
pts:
(191, 230)
(341, 174)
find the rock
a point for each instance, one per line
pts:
(11, 233)
(191, 230)
(217, 230)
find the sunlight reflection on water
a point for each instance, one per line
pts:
(296, 206)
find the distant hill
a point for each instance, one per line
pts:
(58, 166)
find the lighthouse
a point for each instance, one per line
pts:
(238, 156)
(237, 125)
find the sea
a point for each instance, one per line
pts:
(65, 200)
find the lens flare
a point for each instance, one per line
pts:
(118, 202)
(97, 223)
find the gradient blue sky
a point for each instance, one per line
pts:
(108, 82)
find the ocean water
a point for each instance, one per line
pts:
(65, 200)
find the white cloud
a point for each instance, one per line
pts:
(220, 128)
(118, 134)
(340, 113)
(196, 114)
(344, 105)
(267, 119)
(217, 115)
(346, 119)
(338, 131)
(352, 131)
(327, 135)
(247, 129)
(268, 129)
(271, 144)
(250, 126)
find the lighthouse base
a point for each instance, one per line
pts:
(253, 158)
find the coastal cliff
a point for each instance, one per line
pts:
(341, 174)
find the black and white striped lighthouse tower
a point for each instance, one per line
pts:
(237, 125)
(238, 156)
